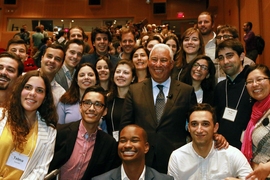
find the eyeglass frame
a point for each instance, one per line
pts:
(83, 103)
(224, 36)
(202, 67)
(257, 81)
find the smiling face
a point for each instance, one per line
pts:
(172, 44)
(230, 62)
(8, 72)
(19, 50)
(101, 44)
(191, 43)
(51, 61)
(73, 55)
(140, 59)
(259, 89)
(33, 94)
(123, 75)
(205, 24)
(86, 77)
(160, 64)
(103, 70)
(132, 144)
(92, 115)
(76, 34)
(127, 42)
(199, 70)
(202, 128)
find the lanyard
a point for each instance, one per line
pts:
(226, 92)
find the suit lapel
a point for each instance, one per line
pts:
(116, 174)
(149, 174)
(174, 92)
(148, 96)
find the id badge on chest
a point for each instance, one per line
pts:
(116, 135)
(229, 114)
(17, 160)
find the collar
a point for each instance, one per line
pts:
(124, 175)
(240, 76)
(83, 133)
(165, 83)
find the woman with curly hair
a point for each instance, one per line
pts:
(27, 129)
(68, 108)
(200, 73)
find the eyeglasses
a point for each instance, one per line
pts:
(97, 105)
(257, 81)
(224, 37)
(203, 67)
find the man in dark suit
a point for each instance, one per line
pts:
(132, 148)
(168, 132)
(82, 151)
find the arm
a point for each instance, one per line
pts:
(127, 113)
(220, 142)
(43, 161)
(260, 172)
(61, 113)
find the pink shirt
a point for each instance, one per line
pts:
(76, 165)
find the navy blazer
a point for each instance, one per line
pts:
(150, 174)
(104, 157)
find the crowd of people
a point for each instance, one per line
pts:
(142, 103)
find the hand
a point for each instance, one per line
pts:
(230, 178)
(260, 172)
(220, 142)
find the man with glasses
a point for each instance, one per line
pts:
(231, 99)
(82, 150)
(225, 32)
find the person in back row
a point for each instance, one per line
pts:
(101, 38)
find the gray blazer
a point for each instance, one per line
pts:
(150, 174)
(61, 79)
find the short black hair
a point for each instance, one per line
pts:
(203, 107)
(97, 89)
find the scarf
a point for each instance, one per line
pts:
(258, 110)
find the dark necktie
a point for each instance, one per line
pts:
(160, 102)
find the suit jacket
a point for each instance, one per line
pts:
(92, 58)
(170, 133)
(150, 174)
(104, 157)
(38, 164)
(60, 77)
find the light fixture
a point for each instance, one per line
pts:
(148, 1)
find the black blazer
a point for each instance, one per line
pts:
(104, 157)
(170, 133)
(150, 174)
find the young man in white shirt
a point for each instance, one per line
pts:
(199, 159)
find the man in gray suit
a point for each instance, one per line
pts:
(73, 55)
(132, 148)
(168, 132)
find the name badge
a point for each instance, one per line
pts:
(229, 114)
(116, 135)
(17, 160)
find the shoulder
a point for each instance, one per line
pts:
(114, 173)
(157, 175)
(105, 137)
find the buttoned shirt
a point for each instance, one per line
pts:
(186, 164)
(68, 74)
(210, 47)
(76, 165)
(124, 175)
(57, 91)
(166, 87)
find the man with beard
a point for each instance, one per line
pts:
(206, 25)
(11, 67)
(127, 42)
(101, 38)
(73, 55)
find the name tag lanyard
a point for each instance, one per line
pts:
(18, 160)
(230, 113)
(115, 133)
